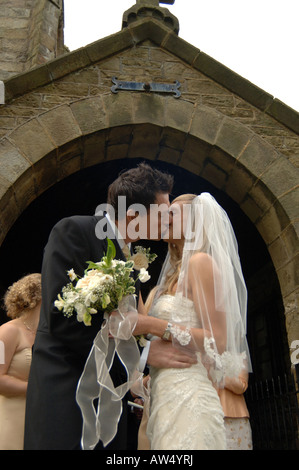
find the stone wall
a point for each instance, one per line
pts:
(62, 117)
(149, 63)
(31, 33)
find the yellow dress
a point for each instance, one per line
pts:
(12, 409)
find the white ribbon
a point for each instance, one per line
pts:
(100, 424)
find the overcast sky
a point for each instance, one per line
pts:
(258, 39)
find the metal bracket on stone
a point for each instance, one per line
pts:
(147, 87)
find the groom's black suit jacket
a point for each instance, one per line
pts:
(62, 345)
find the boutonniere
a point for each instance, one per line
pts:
(142, 257)
(141, 340)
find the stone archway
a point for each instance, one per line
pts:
(68, 138)
(83, 191)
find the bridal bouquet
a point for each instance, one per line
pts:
(103, 285)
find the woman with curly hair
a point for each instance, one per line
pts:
(22, 303)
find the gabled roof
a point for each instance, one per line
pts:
(162, 36)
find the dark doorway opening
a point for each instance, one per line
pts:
(22, 252)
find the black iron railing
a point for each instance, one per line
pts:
(274, 413)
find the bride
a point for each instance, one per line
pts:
(200, 305)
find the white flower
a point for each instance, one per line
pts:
(72, 275)
(59, 303)
(96, 281)
(140, 261)
(142, 341)
(90, 298)
(104, 284)
(71, 298)
(144, 275)
(81, 311)
(84, 282)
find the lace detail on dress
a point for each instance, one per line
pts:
(185, 411)
(182, 336)
(184, 312)
(225, 364)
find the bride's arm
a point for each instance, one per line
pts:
(10, 386)
(201, 283)
(146, 324)
(161, 353)
(202, 276)
(149, 325)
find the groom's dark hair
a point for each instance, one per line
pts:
(140, 185)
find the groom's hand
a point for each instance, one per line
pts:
(163, 355)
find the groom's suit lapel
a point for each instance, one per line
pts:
(103, 245)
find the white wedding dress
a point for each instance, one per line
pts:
(185, 411)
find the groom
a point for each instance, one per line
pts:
(62, 345)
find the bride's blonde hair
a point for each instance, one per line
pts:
(174, 259)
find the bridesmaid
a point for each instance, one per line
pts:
(22, 302)
(236, 414)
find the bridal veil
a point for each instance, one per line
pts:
(210, 274)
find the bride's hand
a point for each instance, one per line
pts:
(163, 354)
(122, 326)
(149, 325)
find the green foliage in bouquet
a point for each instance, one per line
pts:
(102, 287)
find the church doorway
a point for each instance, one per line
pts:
(82, 192)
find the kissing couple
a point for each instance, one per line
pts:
(195, 319)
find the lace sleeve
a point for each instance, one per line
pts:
(225, 364)
(183, 336)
